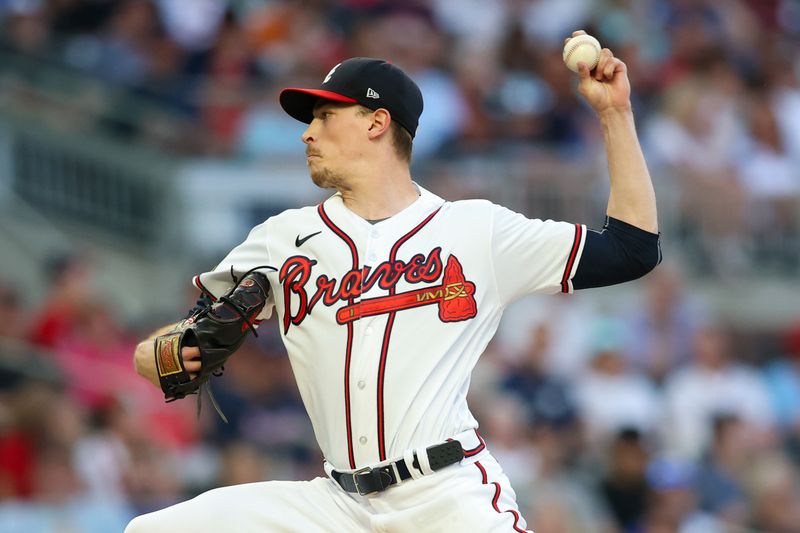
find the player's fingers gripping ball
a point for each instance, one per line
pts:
(581, 48)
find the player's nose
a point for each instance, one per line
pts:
(307, 135)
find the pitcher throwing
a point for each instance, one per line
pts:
(386, 295)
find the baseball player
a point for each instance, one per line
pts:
(386, 295)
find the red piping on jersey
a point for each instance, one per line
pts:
(200, 286)
(387, 335)
(348, 351)
(572, 255)
(485, 480)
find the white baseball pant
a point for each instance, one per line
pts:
(471, 496)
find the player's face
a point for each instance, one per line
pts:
(334, 139)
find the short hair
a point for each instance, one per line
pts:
(401, 138)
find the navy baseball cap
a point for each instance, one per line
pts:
(373, 83)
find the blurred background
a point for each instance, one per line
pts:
(140, 140)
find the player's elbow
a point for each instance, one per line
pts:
(644, 258)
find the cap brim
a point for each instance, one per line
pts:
(299, 103)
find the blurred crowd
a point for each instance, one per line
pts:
(651, 417)
(716, 88)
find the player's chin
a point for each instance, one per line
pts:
(322, 177)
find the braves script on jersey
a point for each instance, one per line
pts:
(383, 323)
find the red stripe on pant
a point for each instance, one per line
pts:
(497, 497)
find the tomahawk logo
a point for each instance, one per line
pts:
(371, 93)
(328, 77)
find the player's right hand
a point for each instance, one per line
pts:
(609, 87)
(144, 359)
(191, 360)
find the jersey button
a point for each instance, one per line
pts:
(362, 384)
(368, 330)
(362, 439)
(373, 257)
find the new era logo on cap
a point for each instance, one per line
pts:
(373, 83)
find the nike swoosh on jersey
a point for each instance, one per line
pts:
(299, 242)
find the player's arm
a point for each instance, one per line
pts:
(182, 357)
(144, 359)
(628, 247)
(607, 90)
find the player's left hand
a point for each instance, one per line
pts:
(607, 86)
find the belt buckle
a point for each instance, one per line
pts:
(364, 470)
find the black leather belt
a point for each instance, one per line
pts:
(369, 480)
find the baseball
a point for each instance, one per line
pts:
(581, 48)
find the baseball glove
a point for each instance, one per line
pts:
(218, 330)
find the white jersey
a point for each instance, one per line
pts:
(384, 322)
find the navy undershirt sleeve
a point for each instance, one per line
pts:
(619, 253)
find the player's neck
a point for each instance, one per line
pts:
(380, 197)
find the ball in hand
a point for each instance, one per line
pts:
(581, 48)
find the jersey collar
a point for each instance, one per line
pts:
(426, 203)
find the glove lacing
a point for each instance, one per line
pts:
(206, 385)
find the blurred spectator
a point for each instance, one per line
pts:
(713, 385)
(96, 355)
(561, 496)
(27, 30)
(695, 31)
(155, 477)
(260, 399)
(775, 495)
(511, 443)
(75, 17)
(163, 79)
(673, 506)
(552, 511)
(610, 395)
(551, 20)
(103, 457)
(696, 137)
(12, 313)
(623, 486)
(771, 179)
(20, 434)
(546, 399)
(192, 24)
(665, 322)
(782, 377)
(59, 503)
(267, 131)
(723, 470)
(477, 25)
(224, 98)
(69, 277)
(241, 463)
(565, 319)
(297, 39)
(117, 54)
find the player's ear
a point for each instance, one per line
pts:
(381, 119)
